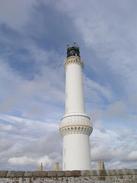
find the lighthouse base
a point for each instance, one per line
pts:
(76, 129)
(76, 152)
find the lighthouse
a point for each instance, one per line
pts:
(75, 126)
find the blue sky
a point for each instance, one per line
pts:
(33, 39)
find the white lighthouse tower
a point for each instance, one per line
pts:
(75, 126)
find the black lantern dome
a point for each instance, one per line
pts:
(73, 50)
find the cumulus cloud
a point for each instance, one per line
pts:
(31, 142)
(114, 147)
(28, 160)
(132, 156)
(28, 142)
(110, 33)
(43, 93)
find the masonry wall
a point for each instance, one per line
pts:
(110, 176)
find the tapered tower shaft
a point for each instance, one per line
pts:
(74, 86)
(75, 126)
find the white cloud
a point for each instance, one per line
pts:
(114, 147)
(32, 142)
(95, 93)
(109, 30)
(43, 92)
(23, 160)
(28, 142)
(132, 156)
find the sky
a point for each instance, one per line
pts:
(33, 39)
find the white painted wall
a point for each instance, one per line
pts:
(74, 89)
(76, 152)
(76, 148)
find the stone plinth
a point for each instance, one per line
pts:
(93, 176)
